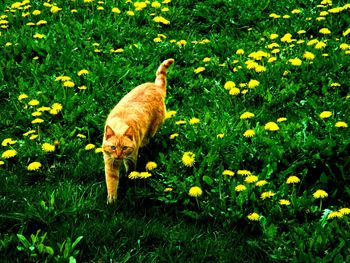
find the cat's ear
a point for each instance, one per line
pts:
(109, 132)
(129, 133)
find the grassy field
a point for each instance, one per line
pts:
(251, 165)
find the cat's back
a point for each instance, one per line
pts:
(146, 93)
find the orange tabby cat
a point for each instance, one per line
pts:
(129, 126)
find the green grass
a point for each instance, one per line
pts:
(59, 212)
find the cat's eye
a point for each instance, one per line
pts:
(113, 147)
(125, 148)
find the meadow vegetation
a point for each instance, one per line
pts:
(251, 164)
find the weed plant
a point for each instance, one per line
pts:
(251, 164)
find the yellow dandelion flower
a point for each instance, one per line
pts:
(63, 78)
(228, 172)
(22, 97)
(2, 163)
(162, 20)
(116, 10)
(271, 126)
(312, 42)
(28, 132)
(251, 179)
(74, 11)
(89, 147)
(37, 120)
(253, 217)
(181, 43)
(168, 189)
(249, 133)
(170, 114)
(173, 136)
(99, 150)
(140, 5)
(188, 159)
(41, 22)
(273, 36)
(34, 166)
(293, 179)
(195, 191)
(150, 166)
(144, 175)
(296, 11)
(156, 4)
(194, 121)
(206, 60)
(83, 72)
(261, 183)
(47, 147)
(295, 61)
(33, 103)
(253, 83)
(9, 154)
(69, 84)
(165, 9)
(38, 36)
(260, 69)
(199, 70)
(300, 32)
(33, 137)
(308, 55)
(281, 119)
(220, 135)
(157, 39)
(335, 84)
(240, 188)
(180, 122)
(36, 12)
(341, 124)
(334, 214)
(325, 31)
(57, 106)
(82, 87)
(272, 45)
(266, 195)
(36, 113)
(82, 136)
(287, 38)
(274, 16)
(244, 172)
(320, 45)
(134, 175)
(325, 114)
(344, 211)
(55, 9)
(320, 194)
(346, 32)
(284, 202)
(335, 10)
(7, 142)
(234, 91)
(100, 8)
(247, 115)
(240, 51)
(229, 85)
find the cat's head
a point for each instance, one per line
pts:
(118, 145)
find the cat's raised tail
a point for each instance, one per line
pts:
(161, 73)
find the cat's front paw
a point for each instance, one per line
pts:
(111, 199)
